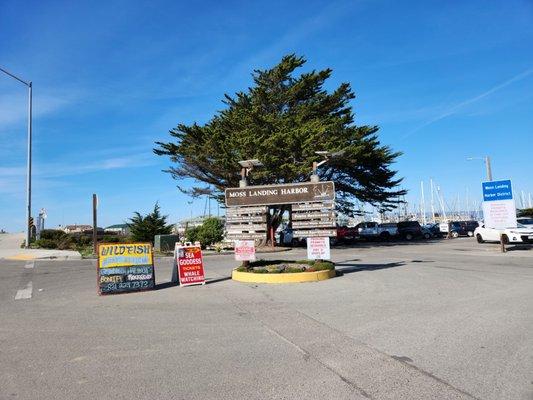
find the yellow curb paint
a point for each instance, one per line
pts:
(21, 257)
(295, 277)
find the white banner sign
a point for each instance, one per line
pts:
(499, 209)
(318, 248)
(245, 250)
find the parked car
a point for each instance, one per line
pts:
(373, 230)
(345, 235)
(520, 234)
(285, 237)
(433, 228)
(410, 230)
(388, 230)
(458, 228)
(469, 227)
(526, 221)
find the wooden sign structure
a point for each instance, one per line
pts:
(313, 205)
(125, 267)
(315, 219)
(246, 223)
(188, 265)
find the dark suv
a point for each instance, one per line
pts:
(409, 230)
(463, 228)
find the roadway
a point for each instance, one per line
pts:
(446, 320)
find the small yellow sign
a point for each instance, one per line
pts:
(124, 255)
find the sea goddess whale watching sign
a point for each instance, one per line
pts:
(280, 194)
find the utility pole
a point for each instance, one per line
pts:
(95, 236)
(28, 171)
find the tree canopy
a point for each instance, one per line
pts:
(282, 120)
(144, 228)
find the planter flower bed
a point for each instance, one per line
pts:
(287, 267)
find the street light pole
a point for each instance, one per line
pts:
(28, 172)
(489, 169)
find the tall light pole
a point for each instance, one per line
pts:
(487, 165)
(327, 155)
(28, 172)
(246, 167)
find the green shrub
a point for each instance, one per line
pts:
(52, 234)
(111, 239)
(45, 244)
(323, 266)
(192, 233)
(211, 231)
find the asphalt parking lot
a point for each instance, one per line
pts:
(449, 319)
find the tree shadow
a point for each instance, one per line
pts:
(391, 243)
(346, 268)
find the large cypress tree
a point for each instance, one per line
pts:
(282, 120)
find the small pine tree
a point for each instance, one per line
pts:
(144, 228)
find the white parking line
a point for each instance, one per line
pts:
(25, 293)
(30, 264)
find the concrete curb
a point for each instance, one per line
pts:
(296, 277)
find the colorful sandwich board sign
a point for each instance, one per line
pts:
(188, 265)
(499, 208)
(125, 267)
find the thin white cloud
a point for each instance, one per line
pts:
(455, 108)
(12, 179)
(13, 106)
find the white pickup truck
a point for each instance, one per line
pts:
(373, 230)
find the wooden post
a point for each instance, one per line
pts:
(95, 236)
(246, 265)
(272, 237)
(502, 244)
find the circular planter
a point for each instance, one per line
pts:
(292, 277)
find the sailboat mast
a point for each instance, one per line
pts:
(432, 201)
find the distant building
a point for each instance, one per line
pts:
(119, 229)
(77, 228)
(179, 228)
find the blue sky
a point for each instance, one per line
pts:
(443, 80)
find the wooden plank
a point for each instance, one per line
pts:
(244, 236)
(312, 206)
(314, 224)
(314, 233)
(245, 218)
(247, 227)
(243, 210)
(306, 215)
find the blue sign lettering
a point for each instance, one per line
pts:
(497, 190)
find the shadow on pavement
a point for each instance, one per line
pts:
(345, 268)
(166, 285)
(370, 244)
(210, 281)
